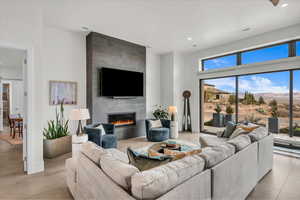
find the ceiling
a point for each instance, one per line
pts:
(11, 58)
(165, 25)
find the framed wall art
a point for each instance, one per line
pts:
(63, 91)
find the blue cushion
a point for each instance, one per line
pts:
(159, 129)
(109, 141)
(230, 127)
(158, 134)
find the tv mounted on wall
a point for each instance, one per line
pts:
(120, 83)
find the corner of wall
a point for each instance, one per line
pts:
(35, 167)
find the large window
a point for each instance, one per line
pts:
(265, 54)
(298, 48)
(252, 56)
(264, 100)
(220, 62)
(267, 99)
(218, 103)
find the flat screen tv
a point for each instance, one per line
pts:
(121, 83)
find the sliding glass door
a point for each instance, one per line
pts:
(218, 103)
(296, 103)
(264, 100)
(268, 99)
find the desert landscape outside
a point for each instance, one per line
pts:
(261, 98)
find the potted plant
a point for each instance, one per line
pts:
(57, 140)
(160, 113)
(296, 130)
(273, 121)
(218, 118)
(229, 114)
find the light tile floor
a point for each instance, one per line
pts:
(282, 183)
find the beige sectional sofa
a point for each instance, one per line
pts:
(224, 170)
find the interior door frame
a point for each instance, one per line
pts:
(28, 70)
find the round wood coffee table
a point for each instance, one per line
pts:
(173, 146)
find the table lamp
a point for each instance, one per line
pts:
(79, 114)
(173, 111)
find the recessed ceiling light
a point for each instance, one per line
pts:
(246, 29)
(284, 5)
(189, 39)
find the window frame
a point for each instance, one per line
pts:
(295, 47)
(291, 96)
(231, 54)
(292, 50)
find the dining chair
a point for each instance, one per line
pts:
(17, 124)
(11, 125)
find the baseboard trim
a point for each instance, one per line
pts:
(35, 167)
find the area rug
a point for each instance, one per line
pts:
(10, 140)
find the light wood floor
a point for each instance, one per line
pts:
(282, 183)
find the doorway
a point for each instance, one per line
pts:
(13, 143)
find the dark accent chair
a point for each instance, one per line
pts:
(158, 134)
(109, 140)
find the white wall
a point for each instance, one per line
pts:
(64, 59)
(17, 97)
(11, 72)
(53, 55)
(16, 90)
(172, 65)
(21, 26)
(153, 83)
(166, 79)
(12, 75)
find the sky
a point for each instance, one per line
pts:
(277, 82)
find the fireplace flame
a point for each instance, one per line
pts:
(123, 122)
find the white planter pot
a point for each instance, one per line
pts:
(57, 147)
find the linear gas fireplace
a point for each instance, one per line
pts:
(122, 119)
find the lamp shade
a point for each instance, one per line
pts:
(172, 109)
(80, 114)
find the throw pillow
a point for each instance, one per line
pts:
(249, 127)
(230, 127)
(101, 128)
(155, 124)
(237, 132)
(143, 162)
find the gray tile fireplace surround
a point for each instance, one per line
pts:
(105, 51)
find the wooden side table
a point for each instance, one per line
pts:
(77, 141)
(174, 129)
